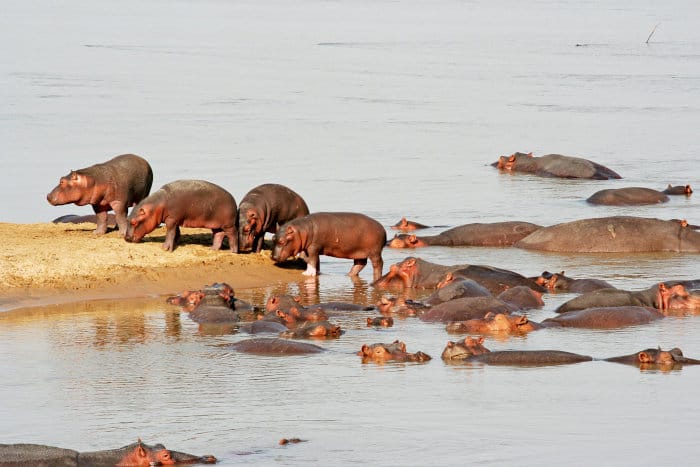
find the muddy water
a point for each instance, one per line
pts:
(386, 108)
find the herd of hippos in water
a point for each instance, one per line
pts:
(469, 299)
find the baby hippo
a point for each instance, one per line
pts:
(186, 203)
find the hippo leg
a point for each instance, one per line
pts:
(101, 220)
(120, 215)
(218, 239)
(377, 266)
(312, 264)
(172, 236)
(359, 265)
(232, 235)
(259, 243)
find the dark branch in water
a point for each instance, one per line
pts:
(652, 32)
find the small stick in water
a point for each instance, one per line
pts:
(652, 32)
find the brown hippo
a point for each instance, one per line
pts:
(400, 306)
(114, 185)
(678, 190)
(521, 297)
(655, 357)
(264, 209)
(471, 351)
(282, 301)
(381, 321)
(464, 349)
(559, 282)
(493, 323)
(406, 225)
(628, 196)
(313, 329)
(554, 165)
(138, 454)
(461, 309)
(451, 288)
(215, 304)
(262, 326)
(338, 234)
(605, 317)
(489, 234)
(396, 351)
(186, 203)
(274, 346)
(617, 234)
(296, 315)
(676, 298)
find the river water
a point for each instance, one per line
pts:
(390, 108)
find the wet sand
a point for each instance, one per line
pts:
(59, 263)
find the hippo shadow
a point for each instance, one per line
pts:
(296, 263)
(203, 239)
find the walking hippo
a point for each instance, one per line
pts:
(186, 203)
(650, 357)
(338, 234)
(405, 225)
(395, 351)
(559, 282)
(263, 209)
(313, 329)
(274, 346)
(114, 185)
(496, 234)
(617, 234)
(628, 196)
(494, 323)
(137, 454)
(678, 190)
(605, 317)
(554, 165)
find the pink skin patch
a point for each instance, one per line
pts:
(310, 271)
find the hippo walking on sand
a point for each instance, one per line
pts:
(114, 185)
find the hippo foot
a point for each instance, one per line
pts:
(310, 272)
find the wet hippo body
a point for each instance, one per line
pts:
(462, 309)
(554, 165)
(263, 327)
(618, 234)
(396, 351)
(559, 282)
(313, 329)
(186, 203)
(401, 307)
(496, 280)
(678, 190)
(274, 346)
(628, 196)
(138, 454)
(605, 317)
(406, 225)
(655, 357)
(457, 288)
(338, 234)
(612, 298)
(114, 185)
(676, 297)
(527, 358)
(493, 323)
(265, 208)
(381, 321)
(521, 297)
(215, 304)
(497, 234)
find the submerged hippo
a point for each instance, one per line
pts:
(215, 304)
(451, 288)
(137, 454)
(678, 190)
(114, 185)
(313, 329)
(665, 296)
(677, 298)
(655, 357)
(406, 225)
(628, 196)
(400, 306)
(494, 323)
(395, 351)
(274, 346)
(560, 282)
(186, 203)
(338, 234)
(617, 234)
(554, 165)
(494, 234)
(605, 317)
(381, 321)
(472, 351)
(263, 209)
(461, 309)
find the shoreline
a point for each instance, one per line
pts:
(45, 264)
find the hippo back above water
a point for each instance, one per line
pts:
(555, 165)
(264, 209)
(338, 234)
(114, 185)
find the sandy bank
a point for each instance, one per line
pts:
(58, 263)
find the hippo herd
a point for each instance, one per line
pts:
(467, 299)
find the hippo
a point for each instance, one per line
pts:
(521, 297)
(215, 304)
(381, 321)
(461, 309)
(395, 351)
(555, 165)
(472, 351)
(136, 454)
(456, 288)
(678, 190)
(464, 349)
(493, 323)
(559, 282)
(186, 203)
(400, 306)
(282, 301)
(264, 209)
(295, 315)
(338, 234)
(655, 357)
(496, 280)
(274, 346)
(406, 225)
(605, 317)
(262, 326)
(89, 219)
(313, 329)
(628, 196)
(114, 185)
(676, 298)
(496, 234)
(617, 234)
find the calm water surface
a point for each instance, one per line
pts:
(386, 108)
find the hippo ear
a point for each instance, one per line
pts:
(280, 313)
(480, 340)
(644, 357)
(412, 239)
(410, 262)
(365, 349)
(522, 320)
(369, 321)
(297, 298)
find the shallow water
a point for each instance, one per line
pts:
(385, 108)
